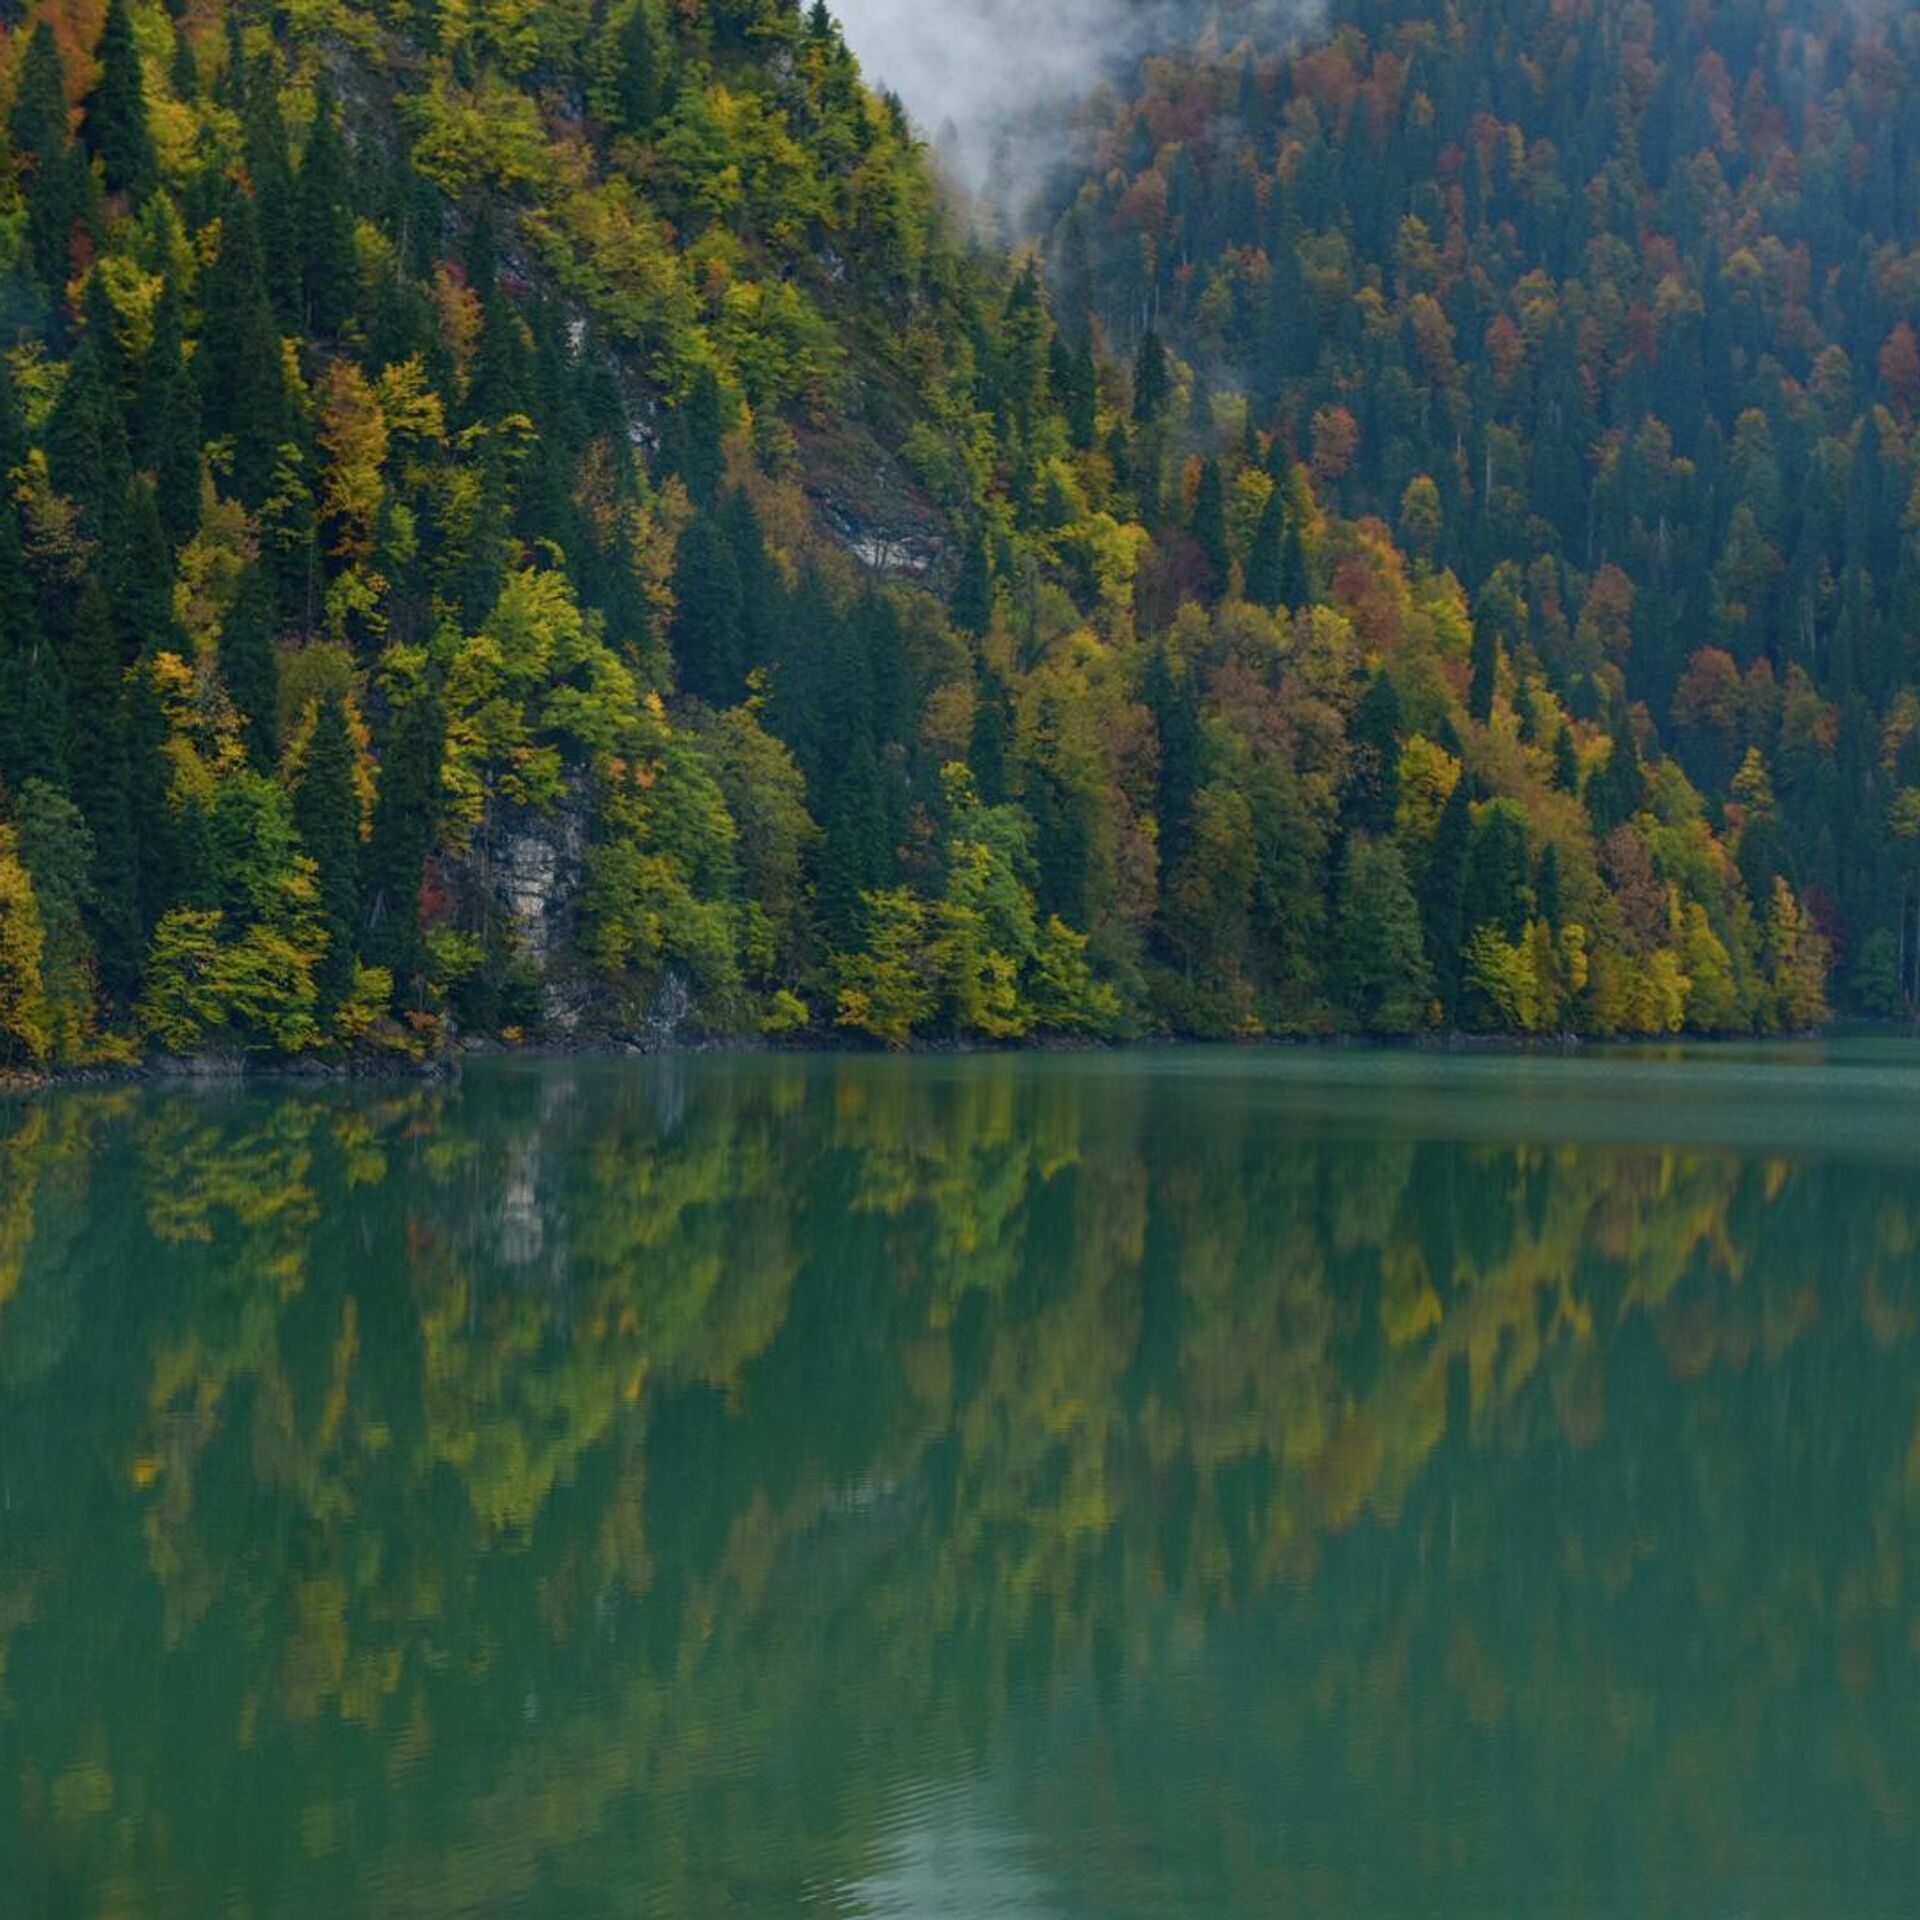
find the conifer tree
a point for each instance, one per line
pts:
(640, 90)
(167, 424)
(1265, 577)
(1209, 527)
(695, 430)
(1383, 974)
(1485, 671)
(57, 178)
(709, 612)
(327, 267)
(406, 818)
(1152, 380)
(97, 760)
(275, 198)
(326, 810)
(972, 606)
(248, 666)
(1442, 896)
(116, 120)
(239, 366)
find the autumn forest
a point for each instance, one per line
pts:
(555, 522)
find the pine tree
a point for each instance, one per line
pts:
(1485, 672)
(33, 689)
(249, 668)
(1209, 528)
(116, 120)
(1172, 701)
(327, 265)
(1266, 556)
(639, 92)
(406, 818)
(326, 810)
(972, 607)
(1152, 380)
(709, 649)
(275, 200)
(1374, 738)
(58, 182)
(695, 430)
(1616, 789)
(239, 366)
(1442, 897)
(1383, 976)
(167, 424)
(101, 783)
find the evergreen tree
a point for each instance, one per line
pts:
(406, 819)
(1209, 527)
(274, 198)
(57, 177)
(116, 120)
(1375, 738)
(1496, 893)
(97, 759)
(640, 90)
(695, 431)
(1152, 380)
(239, 366)
(1172, 701)
(249, 669)
(1443, 896)
(1616, 789)
(327, 265)
(326, 810)
(1485, 672)
(167, 424)
(1265, 577)
(972, 606)
(709, 649)
(1383, 976)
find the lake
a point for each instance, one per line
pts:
(1190, 1483)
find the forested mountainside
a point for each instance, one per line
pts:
(533, 517)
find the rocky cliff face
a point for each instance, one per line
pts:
(521, 880)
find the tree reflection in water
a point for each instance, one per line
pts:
(1225, 1487)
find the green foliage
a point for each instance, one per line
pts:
(490, 549)
(25, 1032)
(1383, 967)
(116, 118)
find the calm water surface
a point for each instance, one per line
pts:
(1191, 1484)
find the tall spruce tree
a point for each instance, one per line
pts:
(248, 666)
(326, 810)
(116, 120)
(167, 423)
(1265, 569)
(327, 267)
(58, 183)
(239, 365)
(406, 819)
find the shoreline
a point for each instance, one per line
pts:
(226, 1070)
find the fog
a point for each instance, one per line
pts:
(992, 82)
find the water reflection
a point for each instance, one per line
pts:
(1214, 1485)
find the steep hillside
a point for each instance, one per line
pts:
(1610, 310)
(531, 518)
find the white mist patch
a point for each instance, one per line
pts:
(993, 83)
(971, 71)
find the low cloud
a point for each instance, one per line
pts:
(992, 82)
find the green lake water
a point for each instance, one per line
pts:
(1212, 1484)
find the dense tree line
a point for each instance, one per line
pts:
(414, 608)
